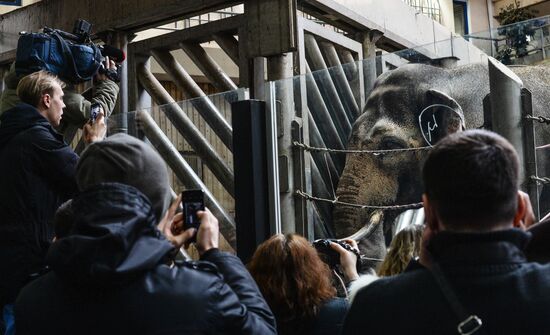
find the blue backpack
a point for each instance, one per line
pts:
(49, 51)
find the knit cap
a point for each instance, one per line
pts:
(127, 160)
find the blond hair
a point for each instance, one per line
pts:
(32, 87)
(404, 246)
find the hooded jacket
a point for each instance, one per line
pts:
(109, 276)
(37, 173)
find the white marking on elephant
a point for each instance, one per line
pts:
(425, 123)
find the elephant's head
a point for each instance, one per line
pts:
(394, 114)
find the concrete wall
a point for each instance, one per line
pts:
(478, 16)
(447, 14)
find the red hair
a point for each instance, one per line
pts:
(293, 279)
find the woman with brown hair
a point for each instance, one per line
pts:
(297, 284)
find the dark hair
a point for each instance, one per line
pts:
(63, 219)
(471, 178)
(293, 279)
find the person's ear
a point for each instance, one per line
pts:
(432, 220)
(46, 100)
(521, 212)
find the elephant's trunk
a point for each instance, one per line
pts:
(362, 183)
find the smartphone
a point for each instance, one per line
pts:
(95, 109)
(192, 201)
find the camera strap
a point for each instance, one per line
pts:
(470, 323)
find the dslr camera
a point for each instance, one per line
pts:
(330, 256)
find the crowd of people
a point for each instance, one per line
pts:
(88, 245)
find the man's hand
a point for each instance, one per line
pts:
(348, 259)
(171, 226)
(529, 216)
(109, 66)
(95, 131)
(209, 232)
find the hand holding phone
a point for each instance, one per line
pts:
(192, 201)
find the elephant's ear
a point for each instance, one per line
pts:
(441, 116)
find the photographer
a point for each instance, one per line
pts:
(77, 108)
(297, 284)
(109, 275)
(37, 174)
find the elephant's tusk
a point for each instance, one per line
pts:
(375, 219)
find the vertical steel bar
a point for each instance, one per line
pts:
(530, 151)
(279, 70)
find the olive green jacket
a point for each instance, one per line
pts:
(77, 110)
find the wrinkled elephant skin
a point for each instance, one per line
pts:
(391, 121)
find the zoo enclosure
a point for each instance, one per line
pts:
(315, 105)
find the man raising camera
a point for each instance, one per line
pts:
(37, 174)
(77, 110)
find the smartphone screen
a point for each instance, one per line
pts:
(94, 111)
(192, 201)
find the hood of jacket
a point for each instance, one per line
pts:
(113, 239)
(18, 119)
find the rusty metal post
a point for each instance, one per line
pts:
(204, 106)
(187, 129)
(185, 173)
(208, 66)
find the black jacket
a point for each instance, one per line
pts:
(490, 276)
(37, 172)
(109, 276)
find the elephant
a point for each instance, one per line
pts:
(390, 120)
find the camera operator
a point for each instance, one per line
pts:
(77, 108)
(37, 174)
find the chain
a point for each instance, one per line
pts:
(336, 201)
(540, 119)
(542, 180)
(374, 152)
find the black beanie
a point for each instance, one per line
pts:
(124, 159)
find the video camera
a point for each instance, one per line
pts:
(330, 256)
(72, 56)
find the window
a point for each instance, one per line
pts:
(11, 3)
(460, 9)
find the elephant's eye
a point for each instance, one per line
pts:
(390, 143)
